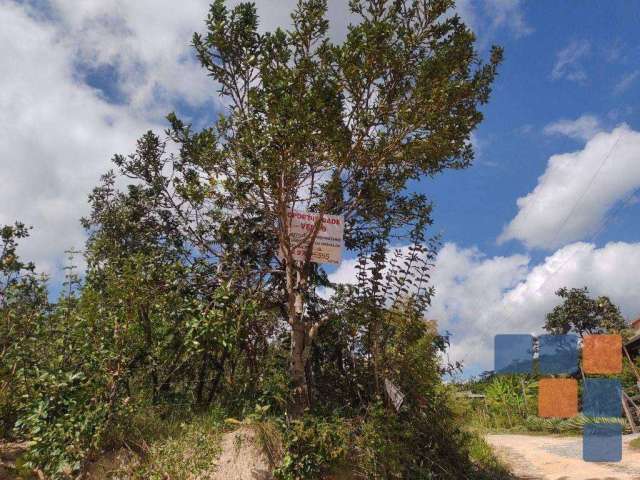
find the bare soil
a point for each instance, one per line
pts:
(9, 453)
(560, 458)
(241, 458)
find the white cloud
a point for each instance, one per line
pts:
(626, 82)
(487, 17)
(582, 128)
(569, 61)
(477, 310)
(478, 297)
(577, 190)
(525, 129)
(508, 13)
(57, 136)
(147, 42)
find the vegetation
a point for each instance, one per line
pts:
(582, 314)
(510, 402)
(196, 304)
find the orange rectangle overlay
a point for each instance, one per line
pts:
(602, 354)
(557, 398)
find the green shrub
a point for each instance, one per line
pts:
(314, 446)
(8, 411)
(183, 449)
(421, 443)
(64, 422)
(569, 425)
(510, 399)
(483, 456)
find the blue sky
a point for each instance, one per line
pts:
(82, 80)
(513, 149)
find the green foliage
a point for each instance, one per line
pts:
(63, 422)
(184, 450)
(374, 446)
(23, 304)
(583, 314)
(573, 425)
(75, 384)
(510, 399)
(191, 300)
(314, 446)
(484, 457)
(510, 403)
(629, 376)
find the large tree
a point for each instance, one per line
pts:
(316, 126)
(582, 314)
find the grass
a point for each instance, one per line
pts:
(177, 447)
(188, 452)
(486, 460)
(270, 440)
(635, 443)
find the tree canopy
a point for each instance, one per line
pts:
(582, 314)
(321, 127)
(192, 295)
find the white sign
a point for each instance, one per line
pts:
(327, 247)
(395, 395)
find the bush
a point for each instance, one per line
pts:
(573, 425)
(64, 422)
(385, 445)
(314, 446)
(184, 449)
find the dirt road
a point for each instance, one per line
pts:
(560, 458)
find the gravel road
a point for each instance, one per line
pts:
(536, 457)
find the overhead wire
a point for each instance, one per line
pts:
(602, 226)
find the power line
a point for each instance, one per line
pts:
(584, 192)
(600, 229)
(614, 213)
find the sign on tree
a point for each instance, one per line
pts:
(327, 247)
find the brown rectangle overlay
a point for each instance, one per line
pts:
(557, 398)
(602, 354)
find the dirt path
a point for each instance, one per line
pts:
(560, 458)
(9, 452)
(241, 458)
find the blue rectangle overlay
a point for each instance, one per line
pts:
(602, 442)
(602, 397)
(558, 354)
(513, 353)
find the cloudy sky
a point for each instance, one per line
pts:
(553, 198)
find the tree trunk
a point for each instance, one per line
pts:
(298, 370)
(202, 376)
(299, 339)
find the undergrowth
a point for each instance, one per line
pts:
(177, 447)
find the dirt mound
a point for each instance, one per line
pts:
(241, 458)
(109, 464)
(9, 453)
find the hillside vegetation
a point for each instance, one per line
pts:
(196, 313)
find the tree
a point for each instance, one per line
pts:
(23, 306)
(311, 125)
(583, 314)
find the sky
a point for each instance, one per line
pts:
(552, 199)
